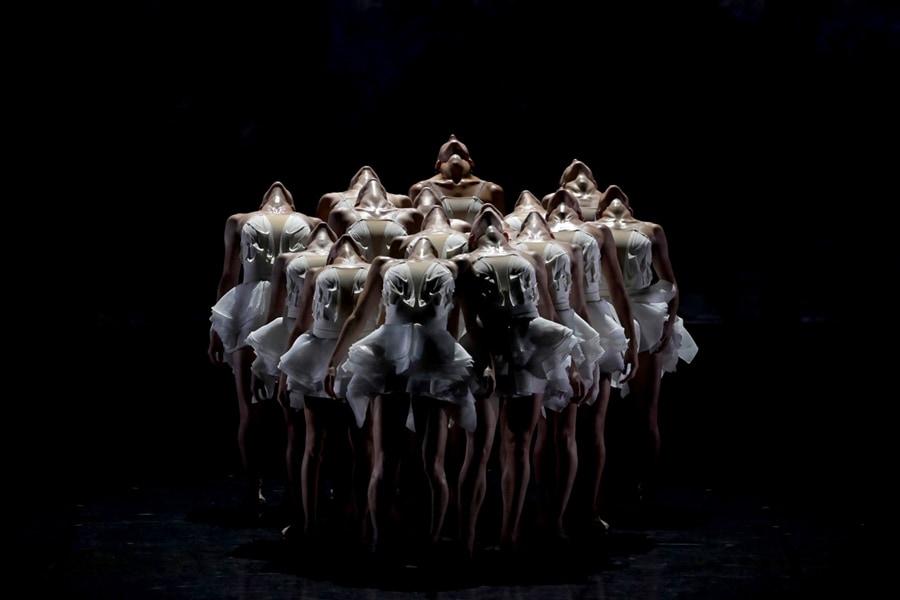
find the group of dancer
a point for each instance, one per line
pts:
(441, 321)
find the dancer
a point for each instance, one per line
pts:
(578, 179)
(373, 221)
(328, 298)
(525, 356)
(612, 318)
(643, 254)
(270, 341)
(252, 242)
(555, 450)
(456, 188)
(526, 203)
(332, 200)
(410, 366)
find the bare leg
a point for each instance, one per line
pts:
(473, 473)
(388, 418)
(248, 427)
(595, 415)
(645, 388)
(295, 422)
(518, 418)
(316, 433)
(544, 466)
(363, 451)
(566, 465)
(432, 420)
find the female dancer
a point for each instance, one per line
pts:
(526, 203)
(455, 188)
(612, 318)
(411, 365)
(252, 242)
(526, 357)
(328, 298)
(578, 179)
(643, 253)
(373, 221)
(271, 341)
(555, 450)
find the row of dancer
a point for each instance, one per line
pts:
(371, 318)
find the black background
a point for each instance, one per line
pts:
(761, 136)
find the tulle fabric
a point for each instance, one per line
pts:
(531, 356)
(269, 342)
(606, 322)
(305, 363)
(590, 351)
(650, 310)
(409, 358)
(238, 312)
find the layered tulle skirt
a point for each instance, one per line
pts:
(650, 310)
(590, 351)
(531, 356)
(414, 359)
(304, 365)
(238, 312)
(612, 337)
(269, 342)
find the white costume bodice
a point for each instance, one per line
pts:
(337, 289)
(265, 236)
(421, 294)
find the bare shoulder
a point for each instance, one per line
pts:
(235, 222)
(239, 218)
(417, 187)
(400, 200)
(652, 229)
(450, 264)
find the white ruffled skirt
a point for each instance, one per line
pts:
(531, 356)
(239, 311)
(413, 359)
(270, 342)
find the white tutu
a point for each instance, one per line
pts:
(305, 364)
(238, 312)
(531, 356)
(269, 342)
(409, 358)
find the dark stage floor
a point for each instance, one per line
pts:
(766, 493)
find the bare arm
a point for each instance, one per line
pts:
(279, 285)
(368, 303)
(577, 299)
(663, 267)
(231, 268)
(302, 324)
(231, 272)
(467, 301)
(545, 303)
(618, 295)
